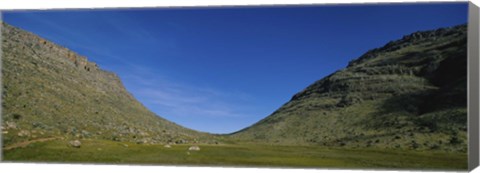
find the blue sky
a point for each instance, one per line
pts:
(220, 70)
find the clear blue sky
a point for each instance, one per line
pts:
(222, 69)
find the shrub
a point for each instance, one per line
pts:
(17, 116)
(455, 140)
(414, 144)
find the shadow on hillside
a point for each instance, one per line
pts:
(394, 112)
(423, 110)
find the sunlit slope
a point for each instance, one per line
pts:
(258, 155)
(50, 91)
(410, 93)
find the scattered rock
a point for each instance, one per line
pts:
(39, 125)
(75, 143)
(23, 133)
(125, 145)
(144, 134)
(194, 148)
(85, 133)
(4, 132)
(167, 146)
(142, 141)
(181, 141)
(11, 125)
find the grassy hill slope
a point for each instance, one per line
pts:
(409, 94)
(50, 91)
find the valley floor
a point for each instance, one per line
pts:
(100, 151)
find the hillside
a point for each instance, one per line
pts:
(50, 91)
(409, 94)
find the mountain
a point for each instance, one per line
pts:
(50, 91)
(410, 93)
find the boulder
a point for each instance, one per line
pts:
(194, 148)
(75, 143)
(167, 146)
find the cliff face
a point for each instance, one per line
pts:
(410, 93)
(50, 91)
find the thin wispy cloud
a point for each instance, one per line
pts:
(182, 100)
(133, 32)
(223, 70)
(56, 32)
(169, 98)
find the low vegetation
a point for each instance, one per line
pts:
(409, 94)
(103, 151)
(399, 106)
(49, 90)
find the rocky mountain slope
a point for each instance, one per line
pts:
(410, 93)
(50, 91)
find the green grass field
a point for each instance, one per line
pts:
(99, 151)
